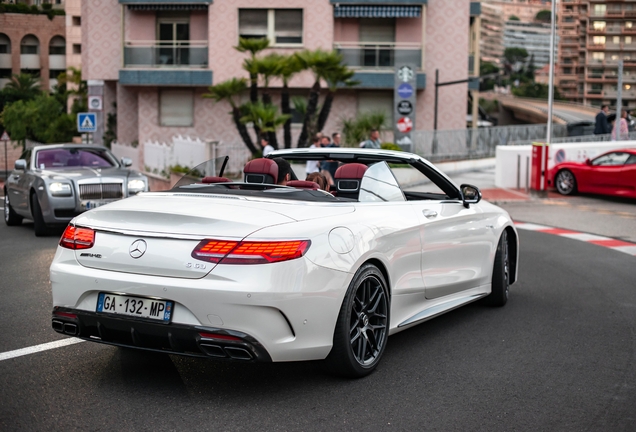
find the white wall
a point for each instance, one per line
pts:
(507, 158)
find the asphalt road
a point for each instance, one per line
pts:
(559, 356)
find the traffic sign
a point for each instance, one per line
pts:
(405, 90)
(405, 107)
(95, 103)
(405, 125)
(5, 136)
(86, 122)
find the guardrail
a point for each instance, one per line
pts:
(165, 54)
(379, 55)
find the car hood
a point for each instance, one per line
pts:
(81, 173)
(171, 225)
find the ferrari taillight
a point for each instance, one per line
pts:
(250, 252)
(77, 238)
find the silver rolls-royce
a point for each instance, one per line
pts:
(54, 183)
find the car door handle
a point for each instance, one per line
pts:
(429, 214)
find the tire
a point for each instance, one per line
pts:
(362, 328)
(500, 274)
(565, 182)
(11, 218)
(41, 229)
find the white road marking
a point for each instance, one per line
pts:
(585, 237)
(38, 348)
(627, 249)
(530, 226)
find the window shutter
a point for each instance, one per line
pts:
(288, 26)
(253, 23)
(176, 108)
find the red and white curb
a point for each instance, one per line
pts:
(617, 245)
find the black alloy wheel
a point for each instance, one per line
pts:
(362, 328)
(565, 182)
(11, 218)
(500, 274)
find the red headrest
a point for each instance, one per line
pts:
(266, 167)
(303, 184)
(214, 179)
(351, 171)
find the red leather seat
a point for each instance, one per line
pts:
(303, 184)
(214, 179)
(347, 180)
(261, 171)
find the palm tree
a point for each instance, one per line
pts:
(321, 63)
(269, 67)
(230, 91)
(22, 87)
(341, 75)
(253, 46)
(264, 115)
(290, 67)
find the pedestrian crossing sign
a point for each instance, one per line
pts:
(86, 122)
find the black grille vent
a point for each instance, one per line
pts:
(100, 191)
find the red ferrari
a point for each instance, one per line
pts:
(612, 173)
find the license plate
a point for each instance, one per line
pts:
(93, 204)
(159, 310)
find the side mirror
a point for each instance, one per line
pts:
(470, 194)
(126, 162)
(20, 165)
(588, 161)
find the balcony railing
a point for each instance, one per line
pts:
(379, 55)
(172, 54)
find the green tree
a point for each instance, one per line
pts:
(21, 87)
(513, 18)
(356, 130)
(513, 57)
(487, 68)
(534, 90)
(253, 46)
(265, 115)
(321, 64)
(231, 91)
(41, 119)
(289, 68)
(341, 75)
(269, 67)
(543, 16)
(531, 68)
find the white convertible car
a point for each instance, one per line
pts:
(257, 271)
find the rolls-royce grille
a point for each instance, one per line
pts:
(100, 191)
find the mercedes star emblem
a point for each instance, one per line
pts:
(137, 248)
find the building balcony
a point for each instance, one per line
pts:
(158, 54)
(379, 56)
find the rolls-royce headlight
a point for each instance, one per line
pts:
(136, 186)
(60, 189)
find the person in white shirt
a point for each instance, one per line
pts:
(313, 166)
(267, 148)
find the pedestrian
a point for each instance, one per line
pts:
(620, 132)
(335, 139)
(328, 168)
(602, 127)
(267, 148)
(313, 166)
(374, 140)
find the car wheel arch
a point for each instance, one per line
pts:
(513, 246)
(383, 269)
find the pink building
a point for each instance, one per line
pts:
(155, 59)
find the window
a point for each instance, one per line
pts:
(600, 25)
(176, 108)
(616, 39)
(599, 9)
(599, 40)
(5, 73)
(376, 102)
(173, 34)
(598, 56)
(54, 73)
(77, 21)
(628, 39)
(5, 44)
(29, 45)
(57, 46)
(628, 24)
(280, 26)
(627, 86)
(611, 159)
(77, 49)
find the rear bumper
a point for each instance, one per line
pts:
(188, 340)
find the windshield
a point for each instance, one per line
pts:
(74, 157)
(379, 184)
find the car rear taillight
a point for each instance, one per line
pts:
(77, 238)
(249, 252)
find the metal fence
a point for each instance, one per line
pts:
(476, 143)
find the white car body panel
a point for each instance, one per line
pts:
(432, 264)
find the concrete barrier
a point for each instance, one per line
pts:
(512, 161)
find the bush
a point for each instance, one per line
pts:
(391, 146)
(354, 131)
